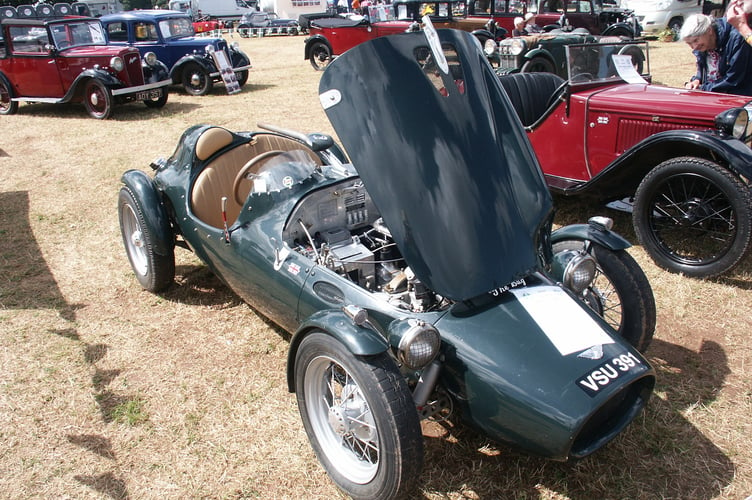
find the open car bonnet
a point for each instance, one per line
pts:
(444, 157)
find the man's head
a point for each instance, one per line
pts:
(745, 5)
(697, 31)
(519, 23)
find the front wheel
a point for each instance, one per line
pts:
(242, 77)
(321, 56)
(693, 216)
(7, 106)
(154, 272)
(98, 100)
(620, 292)
(159, 102)
(537, 65)
(196, 80)
(360, 418)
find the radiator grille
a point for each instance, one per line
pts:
(633, 131)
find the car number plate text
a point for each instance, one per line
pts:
(606, 373)
(148, 95)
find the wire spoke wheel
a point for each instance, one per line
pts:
(620, 293)
(359, 416)
(693, 216)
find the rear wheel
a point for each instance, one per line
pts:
(196, 80)
(159, 101)
(154, 272)
(321, 56)
(694, 216)
(7, 106)
(360, 418)
(537, 65)
(620, 293)
(97, 100)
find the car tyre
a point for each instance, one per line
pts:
(620, 293)
(242, 77)
(321, 56)
(537, 65)
(97, 100)
(7, 106)
(675, 25)
(159, 102)
(360, 418)
(154, 272)
(195, 80)
(693, 216)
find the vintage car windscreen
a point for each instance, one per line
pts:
(596, 62)
(283, 171)
(81, 33)
(176, 27)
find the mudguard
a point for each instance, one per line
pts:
(239, 58)
(622, 177)
(156, 73)
(359, 340)
(155, 214)
(616, 27)
(98, 74)
(202, 61)
(607, 239)
(313, 39)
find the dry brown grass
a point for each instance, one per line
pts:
(107, 391)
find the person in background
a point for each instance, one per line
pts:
(723, 57)
(737, 16)
(531, 27)
(519, 27)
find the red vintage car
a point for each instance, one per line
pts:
(679, 160)
(332, 36)
(68, 60)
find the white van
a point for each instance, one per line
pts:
(656, 15)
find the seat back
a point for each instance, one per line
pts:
(530, 93)
(216, 179)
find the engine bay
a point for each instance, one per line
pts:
(340, 228)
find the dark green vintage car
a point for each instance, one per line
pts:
(422, 285)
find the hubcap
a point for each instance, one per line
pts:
(195, 79)
(94, 99)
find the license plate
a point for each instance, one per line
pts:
(148, 95)
(613, 369)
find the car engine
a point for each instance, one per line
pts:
(340, 228)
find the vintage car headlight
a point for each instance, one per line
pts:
(575, 269)
(209, 49)
(235, 46)
(490, 47)
(416, 341)
(733, 122)
(116, 63)
(150, 58)
(516, 46)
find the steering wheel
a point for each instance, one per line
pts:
(246, 168)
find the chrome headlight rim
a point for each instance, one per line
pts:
(150, 58)
(418, 345)
(517, 46)
(490, 47)
(579, 272)
(117, 64)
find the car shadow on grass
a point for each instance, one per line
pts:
(28, 283)
(121, 112)
(660, 455)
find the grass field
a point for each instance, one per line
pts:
(107, 391)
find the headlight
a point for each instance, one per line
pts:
(490, 47)
(733, 122)
(417, 342)
(517, 46)
(209, 49)
(235, 46)
(150, 58)
(575, 269)
(116, 64)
